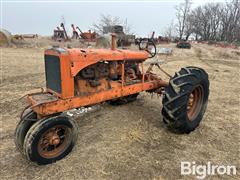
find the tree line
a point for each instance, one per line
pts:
(209, 22)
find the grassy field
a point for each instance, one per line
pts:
(128, 141)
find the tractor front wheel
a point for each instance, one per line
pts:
(50, 139)
(185, 99)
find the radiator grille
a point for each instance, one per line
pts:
(53, 73)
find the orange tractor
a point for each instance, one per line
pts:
(84, 77)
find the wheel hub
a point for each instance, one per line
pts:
(195, 102)
(53, 142)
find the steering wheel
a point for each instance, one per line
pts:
(149, 46)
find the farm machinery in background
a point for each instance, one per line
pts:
(183, 44)
(123, 39)
(78, 78)
(25, 36)
(60, 34)
(6, 38)
(158, 40)
(88, 36)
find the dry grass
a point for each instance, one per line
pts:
(129, 141)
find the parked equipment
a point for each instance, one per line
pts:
(25, 36)
(123, 39)
(75, 34)
(184, 44)
(89, 36)
(84, 77)
(60, 34)
(158, 40)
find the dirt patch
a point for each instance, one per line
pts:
(129, 141)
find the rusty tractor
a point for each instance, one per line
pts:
(87, 36)
(84, 77)
(60, 34)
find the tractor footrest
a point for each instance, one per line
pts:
(40, 98)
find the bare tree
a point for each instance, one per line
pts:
(126, 27)
(215, 21)
(108, 20)
(230, 21)
(197, 25)
(182, 12)
(169, 31)
(209, 21)
(188, 30)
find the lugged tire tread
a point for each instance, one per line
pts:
(174, 102)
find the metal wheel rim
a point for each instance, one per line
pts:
(195, 102)
(54, 141)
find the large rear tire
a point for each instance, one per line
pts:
(185, 99)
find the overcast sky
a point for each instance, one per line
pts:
(42, 17)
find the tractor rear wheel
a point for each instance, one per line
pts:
(185, 99)
(50, 139)
(27, 119)
(124, 100)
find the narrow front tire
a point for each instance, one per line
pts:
(50, 139)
